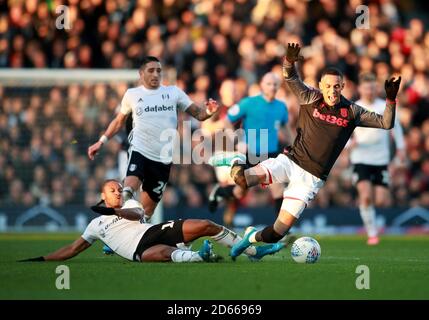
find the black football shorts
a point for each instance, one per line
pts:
(377, 175)
(169, 233)
(153, 174)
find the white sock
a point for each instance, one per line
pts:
(180, 255)
(252, 237)
(368, 218)
(228, 238)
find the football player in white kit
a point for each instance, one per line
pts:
(370, 156)
(154, 110)
(121, 229)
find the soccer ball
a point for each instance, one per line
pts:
(305, 250)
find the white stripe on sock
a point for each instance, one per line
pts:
(368, 217)
(228, 238)
(180, 255)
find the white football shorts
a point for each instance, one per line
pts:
(302, 185)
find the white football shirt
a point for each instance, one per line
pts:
(373, 145)
(121, 235)
(154, 119)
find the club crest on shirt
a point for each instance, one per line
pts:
(139, 111)
(344, 112)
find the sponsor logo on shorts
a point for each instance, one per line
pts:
(331, 118)
(133, 167)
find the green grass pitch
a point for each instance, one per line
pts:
(399, 269)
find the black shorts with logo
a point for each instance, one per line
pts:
(153, 174)
(169, 233)
(377, 175)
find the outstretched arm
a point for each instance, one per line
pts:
(202, 113)
(134, 214)
(113, 128)
(305, 94)
(64, 253)
(365, 118)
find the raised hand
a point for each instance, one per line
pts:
(292, 52)
(93, 150)
(392, 87)
(211, 106)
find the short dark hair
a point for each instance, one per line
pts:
(148, 59)
(332, 71)
(367, 77)
(102, 188)
(106, 182)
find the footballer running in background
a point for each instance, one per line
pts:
(370, 156)
(154, 110)
(121, 228)
(326, 121)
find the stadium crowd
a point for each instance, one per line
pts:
(209, 48)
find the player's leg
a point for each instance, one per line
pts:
(276, 190)
(229, 192)
(229, 213)
(238, 171)
(365, 190)
(132, 185)
(134, 175)
(156, 176)
(238, 164)
(383, 197)
(302, 188)
(381, 183)
(157, 241)
(289, 214)
(159, 252)
(164, 253)
(225, 189)
(149, 204)
(367, 209)
(197, 228)
(364, 178)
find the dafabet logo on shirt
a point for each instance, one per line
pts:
(159, 108)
